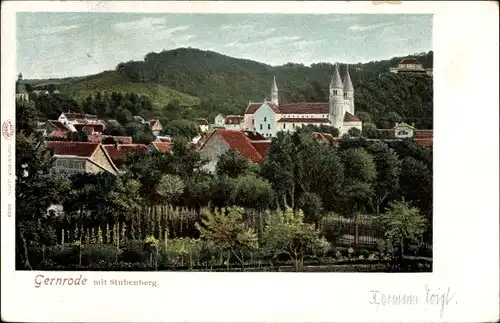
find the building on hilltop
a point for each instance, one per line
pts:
(270, 117)
(21, 92)
(411, 65)
(403, 131)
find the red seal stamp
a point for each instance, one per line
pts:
(8, 129)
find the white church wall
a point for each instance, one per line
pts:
(265, 121)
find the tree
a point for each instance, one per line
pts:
(388, 167)
(252, 191)
(170, 187)
(403, 224)
(228, 232)
(311, 204)
(35, 188)
(360, 172)
(354, 132)
(286, 233)
(369, 130)
(181, 128)
(124, 200)
(232, 164)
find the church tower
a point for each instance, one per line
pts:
(336, 100)
(349, 91)
(274, 93)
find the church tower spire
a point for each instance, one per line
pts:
(349, 91)
(336, 114)
(274, 92)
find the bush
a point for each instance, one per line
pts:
(133, 252)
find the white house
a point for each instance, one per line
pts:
(220, 120)
(203, 124)
(403, 130)
(270, 117)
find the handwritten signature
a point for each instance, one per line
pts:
(429, 297)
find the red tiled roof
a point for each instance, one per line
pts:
(252, 107)
(89, 127)
(234, 119)
(59, 134)
(117, 152)
(274, 107)
(202, 122)
(95, 138)
(238, 141)
(424, 142)
(350, 118)
(254, 135)
(424, 133)
(305, 108)
(72, 148)
(164, 140)
(58, 125)
(305, 120)
(409, 60)
(262, 147)
(116, 139)
(162, 146)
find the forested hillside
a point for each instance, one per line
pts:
(226, 84)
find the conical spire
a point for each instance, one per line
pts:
(336, 82)
(347, 81)
(275, 87)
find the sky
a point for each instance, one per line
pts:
(83, 43)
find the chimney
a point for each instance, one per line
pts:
(117, 146)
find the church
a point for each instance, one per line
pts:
(270, 117)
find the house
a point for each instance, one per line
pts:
(404, 131)
(220, 120)
(21, 92)
(80, 157)
(270, 117)
(160, 146)
(163, 139)
(76, 122)
(56, 126)
(223, 140)
(411, 65)
(203, 124)
(117, 152)
(155, 126)
(234, 122)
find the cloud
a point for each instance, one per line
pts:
(227, 27)
(368, 27)
(144, 23)
(168, 32)
(55, 29)
(303, 42)
(267, 41)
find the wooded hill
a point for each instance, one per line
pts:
(226, 84)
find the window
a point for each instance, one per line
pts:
(253, 121)
(261, 126)
(268, 126)
(293, 125)
(284, 126)
(265, 119)
(402, 133)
